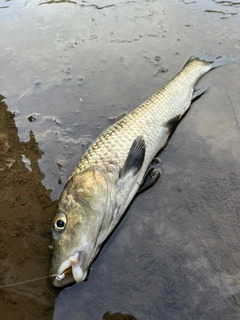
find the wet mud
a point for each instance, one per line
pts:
(68, 68)
(26, 209)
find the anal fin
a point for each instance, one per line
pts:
(198, 92)
(172, 123)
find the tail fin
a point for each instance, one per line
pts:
(214, 60)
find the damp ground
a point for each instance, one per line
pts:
(68, 68)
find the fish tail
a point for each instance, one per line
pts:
(215, 60)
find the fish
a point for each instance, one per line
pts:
(115, 168)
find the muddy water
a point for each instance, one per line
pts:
(67, 69)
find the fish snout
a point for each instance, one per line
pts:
(70, 270)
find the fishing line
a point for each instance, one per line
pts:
(27, 281)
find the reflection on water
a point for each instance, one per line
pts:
(25, 210)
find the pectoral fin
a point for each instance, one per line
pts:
(135, 158)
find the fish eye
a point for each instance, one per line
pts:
(60, 222)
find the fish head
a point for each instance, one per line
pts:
(81, 223)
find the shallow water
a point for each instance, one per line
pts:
(67, 69)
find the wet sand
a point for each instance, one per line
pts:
(26, 209)
(67, 69)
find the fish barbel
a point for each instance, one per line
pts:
(113, 169)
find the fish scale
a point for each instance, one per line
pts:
(115, 167)
(113, 145)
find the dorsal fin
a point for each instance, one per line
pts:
(134, 159)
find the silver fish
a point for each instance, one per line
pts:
(113, 169)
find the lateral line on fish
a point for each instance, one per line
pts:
(115, 166)
(27, 281)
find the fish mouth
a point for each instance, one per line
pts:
(70, 270)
